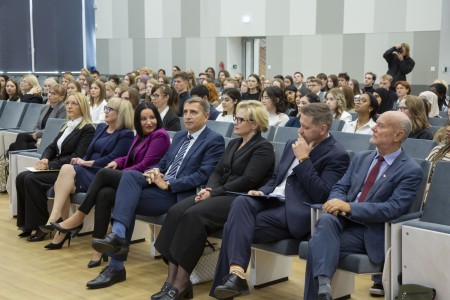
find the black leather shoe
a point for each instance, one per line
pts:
(174, 294)
(112, 243)
(166, 286)
(377, 290)
(107, 277)
(325, 296)
(233, 286)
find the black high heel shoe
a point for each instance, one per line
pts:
(24, 234)
(48, 228)
(97, 263)
(58, 246)
(55, 225)
(37, 236)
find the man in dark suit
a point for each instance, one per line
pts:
(378, 186)
(188, 163)
(309, 167)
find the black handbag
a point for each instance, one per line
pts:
(415, 292)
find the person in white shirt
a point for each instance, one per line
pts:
(97, 101)
(275, 103)
(335, 100)
(230, 99)
(366, 107)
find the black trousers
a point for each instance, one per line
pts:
(23, 141)
(183, 235)
(32, 190)
(102, 195)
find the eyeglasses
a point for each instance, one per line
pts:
(359, 100)
(402, 108)
(239, 120)
(108, 109)
(156, 96)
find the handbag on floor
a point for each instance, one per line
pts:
(4, 172)
(415, 292)
(206, 266)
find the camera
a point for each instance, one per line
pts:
(400, 50)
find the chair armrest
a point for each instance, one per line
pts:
(407, 217)
(26, 150)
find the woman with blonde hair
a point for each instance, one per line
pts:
(335, 100)
(414, 108)
(31, 89)
(111, 140)
(110, 86)
(72, 141)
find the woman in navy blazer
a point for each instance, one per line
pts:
(111, 140)
(31, 197)
(149, 146)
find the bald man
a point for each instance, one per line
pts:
(379, 186)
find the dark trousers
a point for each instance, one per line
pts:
(249, 221)
(183, 236)
(23, 141)
(335, 238)
(135, 196)
(31, 188)
(101, 194)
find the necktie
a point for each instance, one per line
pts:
(172, 172)
(370, 179)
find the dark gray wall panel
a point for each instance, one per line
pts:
(426, 55)
(274, 55)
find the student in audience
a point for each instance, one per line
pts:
(332, 82)
(349, 98)
(54, 109)
(315, 85)
(402, 89)
(141, 81)
(432, 99)
(267, 83)
(323, 79)
(114, 79)
(87, 86)
(97, 101)
(192, 81)
(414, 108)
(355, 213)
(148, 89)
(73, 87)
(148, 147)
(166, 100)
(244, 87)
(31, 90)
(230, 100)
(441, 91)
(239, 77)
(366, 107)
(290, 93)
(384, 99)
(120, 89)
(254, 88)
(66, 78)
(72, 141)
(336, 102)
(288, 80)
(369, 81)
(181, 80)
(247, 163)
(275, 103)
(163, 80)
(11, 91)
(129, 79)
(354, 85)
(202, 91)
(95, 74)
(131, 94)
(212, 73)
(3, 79)
(187, 164)
(111, 140)
(278, 83)
(213, 97)
(308, 168)
(441, 151)
(110, 86)
(343, 79)
(301, 101)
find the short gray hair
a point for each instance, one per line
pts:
(203, 103)
(405, 125)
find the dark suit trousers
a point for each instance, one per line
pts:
(335, 238)
(135, 196)
(32, 199)
(23, 141)
(249, 221)
(101, 194)
(183, 236)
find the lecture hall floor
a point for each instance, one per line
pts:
(28, 271)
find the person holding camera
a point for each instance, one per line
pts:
(399, 62)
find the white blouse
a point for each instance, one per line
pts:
(98, 113)
(226, 118)
(365, 129)
(278, 119)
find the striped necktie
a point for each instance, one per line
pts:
(172, 172)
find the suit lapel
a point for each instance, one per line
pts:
(69, 137)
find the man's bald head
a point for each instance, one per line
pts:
(400, 121)
(392, 129)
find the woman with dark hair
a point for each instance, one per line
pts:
(414, 108)
(230, 100)
(366, 107)
(354, 85)
(149, 145)
(3, 79)
(132, 95)
(288, 80)
(441, 92)
(246, 164)
(254, 88)
(300, 102)
(129, 79)
(290, 92)
(73, 87)
(332, 82)
(275, 103)
(11, 91)
(384, 100)
(163, 98)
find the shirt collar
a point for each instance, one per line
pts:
(389, 158)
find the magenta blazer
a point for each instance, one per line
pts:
(147, 153)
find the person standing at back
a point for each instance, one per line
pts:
(399, 62)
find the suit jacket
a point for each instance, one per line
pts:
(198, 163)
(58, 112)
(171, 121)
(293, 122)
(311, 181)
(116, 145)
(147, 154)
(390, 197)
(30, 98)
(244, 169)
(74, 145)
